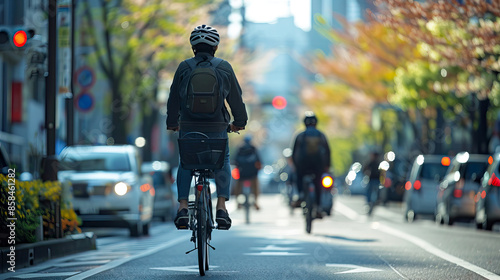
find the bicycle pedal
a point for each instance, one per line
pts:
(223, 227)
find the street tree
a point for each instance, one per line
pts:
(460, 41)
(134, 41)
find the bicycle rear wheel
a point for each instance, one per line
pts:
(201, 232)
(309, 208)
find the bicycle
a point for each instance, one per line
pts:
(202, 156)
(311, 209)
(245, 199)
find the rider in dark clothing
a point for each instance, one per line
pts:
(311, 156)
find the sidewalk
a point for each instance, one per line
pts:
(35, 253)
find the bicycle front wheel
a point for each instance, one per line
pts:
(201, 232)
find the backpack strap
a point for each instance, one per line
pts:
(215, 61)
(191, 63)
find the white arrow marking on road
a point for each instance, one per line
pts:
(189, 268)
(276, 254)
(354, 268)
(275, 248)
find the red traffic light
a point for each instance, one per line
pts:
(20, 38)
(279, 102)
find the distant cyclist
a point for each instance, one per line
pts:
(248, 162)
(182, 115)
(371, 169)
(311, 156)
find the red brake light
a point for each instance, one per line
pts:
(408, 186)
(235, 173)
(445, 161)
(490, 160)
(417, 185)
(458, 193)
(494, 181)
(327, 182)
(483, 194)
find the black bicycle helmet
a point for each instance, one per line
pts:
(204, 34)
(310, 119)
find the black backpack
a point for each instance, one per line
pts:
(202, 96)
(312, 152)
(247, 159)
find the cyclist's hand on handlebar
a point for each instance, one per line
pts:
(233, 128)
(173, 128)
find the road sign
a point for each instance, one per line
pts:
(85, 77)
(84, 102)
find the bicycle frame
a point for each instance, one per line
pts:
(310, 206)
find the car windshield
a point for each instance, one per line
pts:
(431, 170)
(475, 170)
(95, 162)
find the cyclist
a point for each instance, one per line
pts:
(371, 169)
(248, 163)
(311, 156)
(204, 40)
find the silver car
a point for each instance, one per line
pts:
(108, 187)
(488, 196)
(457, 191)
(422, 185)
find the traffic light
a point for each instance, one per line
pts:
(279, 102)
(15, 38)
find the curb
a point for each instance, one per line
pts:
(27, 255)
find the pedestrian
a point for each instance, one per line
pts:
(190, 108)
(248, 163)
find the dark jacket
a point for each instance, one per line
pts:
(319, 164)
(232, 91)
(248, 161)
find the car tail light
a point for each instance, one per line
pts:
(494, 181)
(417, 185)
(327, 182)
(483, 194)
(408, 185)
(458, 193)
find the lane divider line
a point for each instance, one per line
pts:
(351, 214)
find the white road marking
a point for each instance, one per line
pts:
(121, 261)
(189, 268)
(44, 275)
(351, 214)
(80, 263)
(275, 248)
(353, 268)
(279, 254)
(437, 252)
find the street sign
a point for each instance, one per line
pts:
(84, 102)
(85, 77)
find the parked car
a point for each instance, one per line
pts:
(457, 191)
(108, 187)
(165, 206)
(422, 185)
(488, 196)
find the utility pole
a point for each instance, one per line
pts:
(49, 163)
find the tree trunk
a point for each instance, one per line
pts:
(482, 130)
(119, 113)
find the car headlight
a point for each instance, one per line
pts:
(121, 188)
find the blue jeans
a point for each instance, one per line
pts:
(222, 176)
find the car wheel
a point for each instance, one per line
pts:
(136, 229)
(486, 224)
(145, 228)
(448, 220)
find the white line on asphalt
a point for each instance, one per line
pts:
(437, 252)
(121, 261)
(46, 274)
(277, 254)
(351, 214)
